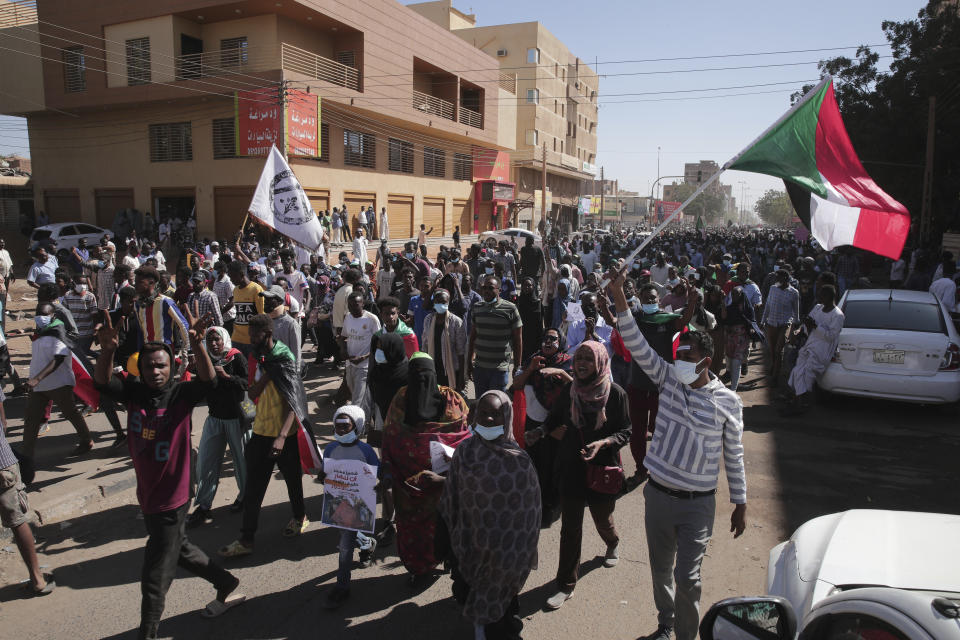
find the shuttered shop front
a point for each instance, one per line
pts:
(400, 214)
(433, 210)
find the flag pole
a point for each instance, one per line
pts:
(826, 79)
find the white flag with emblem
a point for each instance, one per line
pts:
(280, 203)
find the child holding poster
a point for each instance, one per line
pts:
(349, 496)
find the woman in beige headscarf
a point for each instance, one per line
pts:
(491, 506)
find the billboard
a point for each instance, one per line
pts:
(584, 207)
(489, 164)
(257, 116)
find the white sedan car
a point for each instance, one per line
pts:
(896, 345)
(512, 233)
(67, 235)
(856, 575)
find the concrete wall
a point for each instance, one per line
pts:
(261, 33)
(162, 48)
(21, 71)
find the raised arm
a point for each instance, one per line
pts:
(643, 354)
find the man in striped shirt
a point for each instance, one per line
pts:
(699, 421)
(495, 337)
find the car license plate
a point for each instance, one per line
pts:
(888, 356)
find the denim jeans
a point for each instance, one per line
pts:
(486, 379)
(348, 541)
(217, 432)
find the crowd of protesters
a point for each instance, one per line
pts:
(516, 358)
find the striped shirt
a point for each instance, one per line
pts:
(207, 302)
(224, 290)
(695, 427)
(783, 306)
(84, 309)
(495, 324)
(161, 321)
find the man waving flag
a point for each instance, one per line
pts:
(829, 188)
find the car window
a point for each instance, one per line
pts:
(40, 234)
(87, 229)
(895, 315)
(67, 231)
(851, 626)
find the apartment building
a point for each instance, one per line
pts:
(556, 110)
(140, 105)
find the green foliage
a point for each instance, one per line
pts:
(709, 205)
(774, 208)
(885, 112)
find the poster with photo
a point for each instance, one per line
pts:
(349, 495)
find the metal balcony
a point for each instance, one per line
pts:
(433, 105)
(471, 118)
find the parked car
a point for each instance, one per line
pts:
(860, 574)
(67, 235)
(512, 233)
(895, 344)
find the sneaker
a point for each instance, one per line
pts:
(743, 369)
(366, 555)
(199, 517)
(82, 448)
(556, 601)
(295, 527)
(663, 632)
(336, 597)
(612, 556)
(235, 549)
(119, 441)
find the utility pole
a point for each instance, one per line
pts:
(282, 102)
(925, 214)
(603, 186)
(543, 190)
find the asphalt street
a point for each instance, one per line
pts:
(844, 454)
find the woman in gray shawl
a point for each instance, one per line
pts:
(491, 507)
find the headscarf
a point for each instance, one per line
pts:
(591, 395)
(355, 413)
(425, 403)
(385, 378)
(507, 289)
(507, 444)
(227, 345)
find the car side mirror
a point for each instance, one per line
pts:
(750, 618)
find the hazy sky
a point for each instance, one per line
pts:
(696, 128)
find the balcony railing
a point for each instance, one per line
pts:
(433, 105)
(243, 60)
(471, 118)
(18, 13)
(319, 68)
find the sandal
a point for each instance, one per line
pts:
(235, 549)
(295, 527)
(46, 590)
(217, 608)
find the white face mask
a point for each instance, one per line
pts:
(686, 372)
(489, 433)
(79, 288)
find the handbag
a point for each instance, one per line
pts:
(247, 408)
(604, 479)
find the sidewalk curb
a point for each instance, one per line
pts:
(75, 503)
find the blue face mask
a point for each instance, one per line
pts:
(43, 321)
(488, 270)
(440, 307)
(653, 307)
(408, 255)
(454, 260)
(346, 438)
(380, 356)
(489, 433)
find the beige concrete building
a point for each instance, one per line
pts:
(132, 105)
(556, 98)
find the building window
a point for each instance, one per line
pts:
(462, 166)
(233, 52)
(532, 137)
(171, 142)
(401, 155)
(533, 55)
(533, 96)
(138, 61)
(74, 69)
(224, 145)
(324, 142)
(434, 162)
(359, 149)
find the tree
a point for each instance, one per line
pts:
(709, 205)
(886, 112)
(774, 208)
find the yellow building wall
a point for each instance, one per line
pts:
(21, 75)
(162, 48)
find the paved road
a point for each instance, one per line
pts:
(844, 454)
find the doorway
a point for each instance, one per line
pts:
(191, 50)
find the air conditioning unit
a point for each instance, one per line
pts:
(501, 53)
